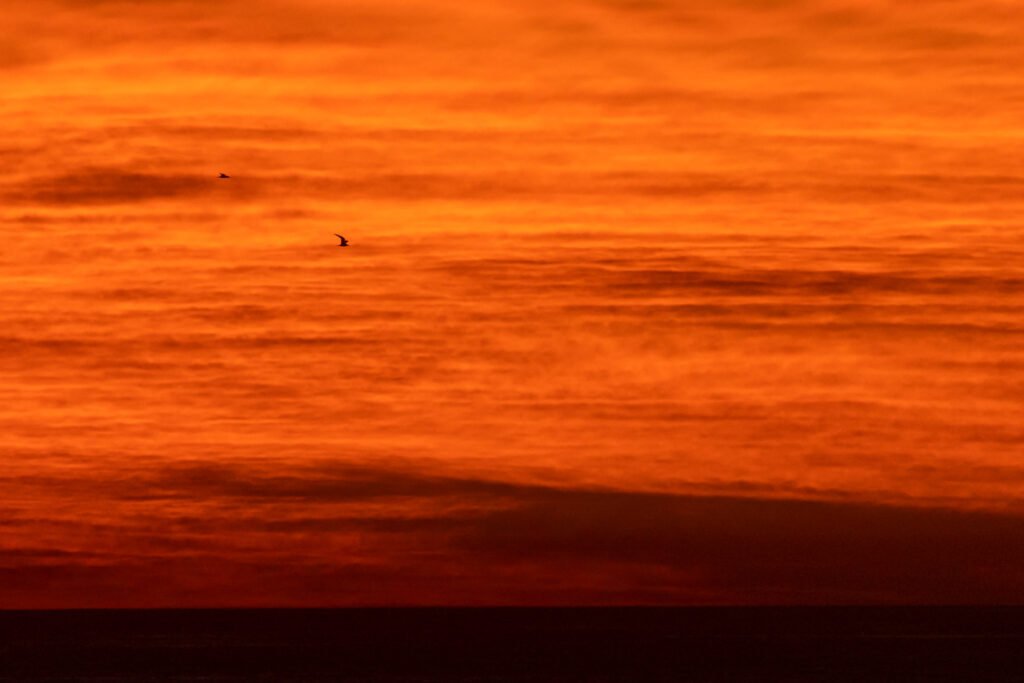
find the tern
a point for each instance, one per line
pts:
(223, 176)
(344, 242)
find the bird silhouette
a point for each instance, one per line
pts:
(344, 242)
(223, 175)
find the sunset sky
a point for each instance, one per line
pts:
(647, 301)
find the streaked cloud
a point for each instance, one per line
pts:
(523, 543)
(646, 301)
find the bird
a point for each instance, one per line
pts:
(344, 242)
(222, 176)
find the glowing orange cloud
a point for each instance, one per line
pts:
(646, 302)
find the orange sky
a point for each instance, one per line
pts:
(647, 301)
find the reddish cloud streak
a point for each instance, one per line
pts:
(646, 302)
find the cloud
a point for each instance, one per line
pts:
(523, 542)
(326, 483)
(106, 186)
(764, 551)
(829, 311)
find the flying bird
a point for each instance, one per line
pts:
(223, 175)
(344, 242)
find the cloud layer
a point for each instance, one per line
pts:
(646, 302)
(421, 538)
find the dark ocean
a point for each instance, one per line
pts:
(517, 644)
